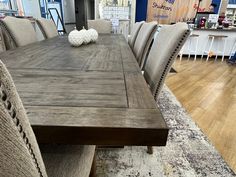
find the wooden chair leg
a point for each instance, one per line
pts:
(93, 168)
(150, 150)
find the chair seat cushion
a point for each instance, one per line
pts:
(68, 160)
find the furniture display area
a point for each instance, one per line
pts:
(73, 97)
(203, 39)
(91, 95)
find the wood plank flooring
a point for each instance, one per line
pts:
(208, 91)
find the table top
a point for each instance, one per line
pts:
(93, 94)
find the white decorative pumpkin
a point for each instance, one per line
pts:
(93, 34)
(75, 38)
(85, 35)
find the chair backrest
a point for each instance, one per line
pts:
(164, 51)
(143, 41)
(134, 33)
(19, 151)
(100, 25)
(21, 31)
(2, 43)
(47, 27)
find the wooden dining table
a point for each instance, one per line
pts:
(92, 94)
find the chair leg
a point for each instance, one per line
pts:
(217, 48)
(181, 53)
(232, 50)
(212, 40)
(181, 56)
(93, 168)
(223, 53)
(150, 150)
(189, 48)
(204, 49)
(195, 56)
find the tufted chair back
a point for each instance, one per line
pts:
(19, 151)
(164, 51)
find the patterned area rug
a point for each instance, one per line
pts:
(188, 152)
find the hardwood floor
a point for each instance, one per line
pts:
(208, 91)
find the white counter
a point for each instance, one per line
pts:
(203, 39)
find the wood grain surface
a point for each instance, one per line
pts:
(209, 96)
(94, 94)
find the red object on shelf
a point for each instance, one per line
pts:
(221, 19)
(202, 22)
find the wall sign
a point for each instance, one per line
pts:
(168, 11)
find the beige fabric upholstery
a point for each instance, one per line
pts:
(47, 27)
(68, 160)
(2, 43)
(143, 41)
(102, 26)
(21, 31)
(134, 33)
(8, 40)
(164, 50)
(19, 151)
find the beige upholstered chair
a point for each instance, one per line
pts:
(134, 33)
(19, 151)
(102, 26)
(2, 43)
(143, 42)
(47, 27)
(164, 51)
(18, 32)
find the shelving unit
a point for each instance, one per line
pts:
(231, 13)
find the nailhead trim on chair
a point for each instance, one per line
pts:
(168, 63)
(12, 113)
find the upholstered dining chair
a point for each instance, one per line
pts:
(17, 32)
(19, 151)
(47, 27)
(134, 33)
(163, 52)
(143, 42)
(2, 43)
(102, 26)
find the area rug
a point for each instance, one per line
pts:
(188, 152)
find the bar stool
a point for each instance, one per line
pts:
(213, 38)
(189, 51)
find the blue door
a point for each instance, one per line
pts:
(141, 10)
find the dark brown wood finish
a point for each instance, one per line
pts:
(94, 94)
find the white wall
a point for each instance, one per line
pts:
(31, 8)
(69, 11)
